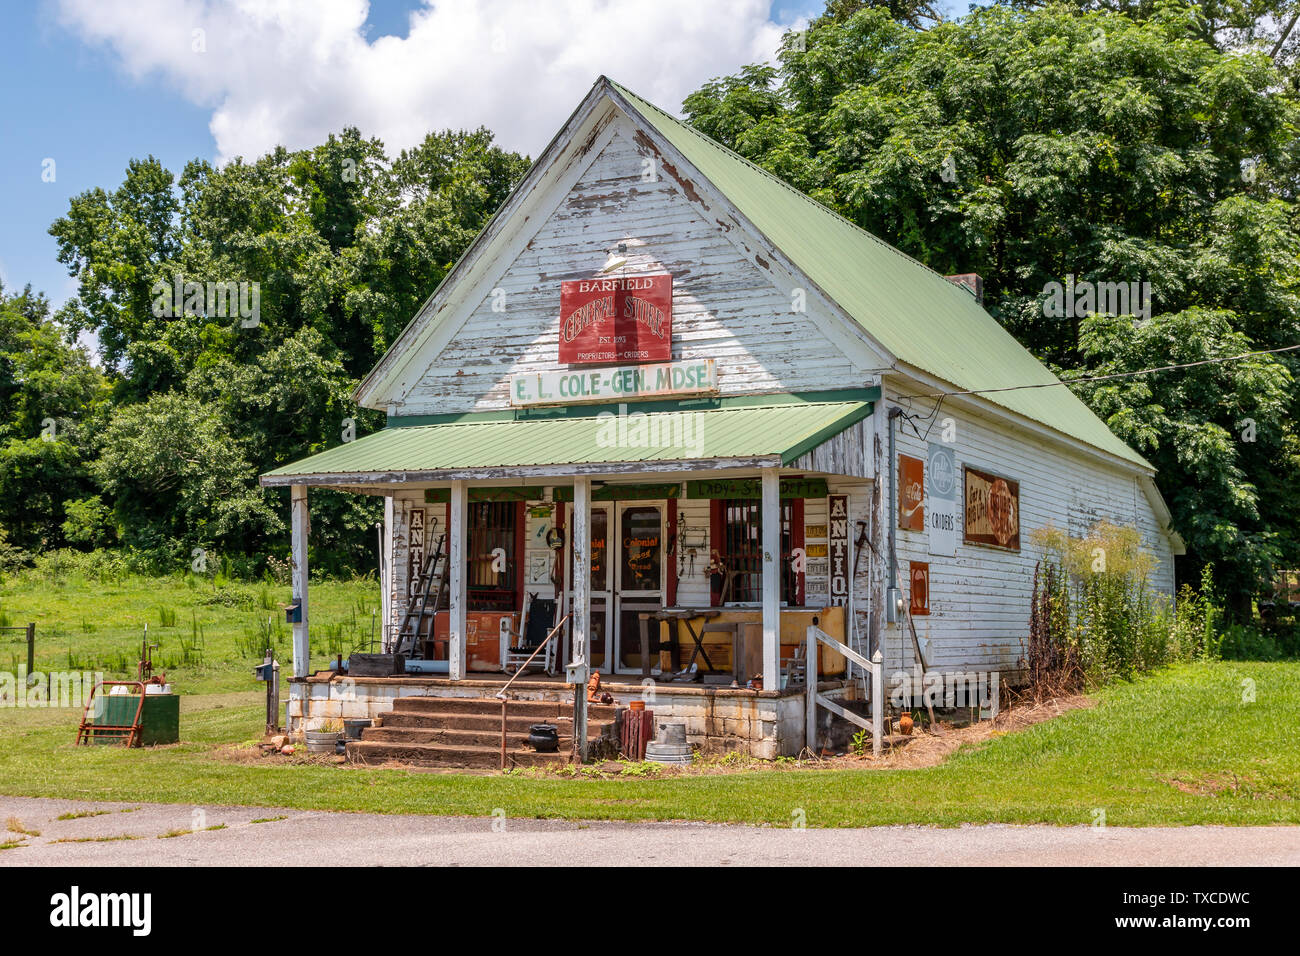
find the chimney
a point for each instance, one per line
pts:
(971, 282)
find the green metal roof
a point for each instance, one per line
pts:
(915, 313)
(774, 432)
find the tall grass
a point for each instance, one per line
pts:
(1096, 616)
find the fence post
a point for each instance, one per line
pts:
(810, 690)
(877, 702)
(31, 647)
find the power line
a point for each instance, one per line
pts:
(1106, 378)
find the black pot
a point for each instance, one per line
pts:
(544, 738)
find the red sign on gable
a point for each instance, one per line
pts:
(628, 319)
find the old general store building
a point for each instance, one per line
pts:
(686, 413)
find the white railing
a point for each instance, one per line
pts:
(875, 667)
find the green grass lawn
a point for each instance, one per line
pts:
(210, 632)
(1181, 747)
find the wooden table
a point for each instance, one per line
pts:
(677, 617)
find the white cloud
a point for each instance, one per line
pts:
(291, 71)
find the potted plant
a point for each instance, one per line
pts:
(325, 738)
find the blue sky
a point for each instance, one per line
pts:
(89, 84)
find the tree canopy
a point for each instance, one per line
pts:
(235, 310)
(1059, 145)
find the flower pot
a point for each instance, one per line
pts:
(905, 724)
(322, 742)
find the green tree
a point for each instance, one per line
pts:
(50, 398)
(340, 245)
(179, 479)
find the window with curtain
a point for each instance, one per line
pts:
(738, 539)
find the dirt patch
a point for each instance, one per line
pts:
(924, 747)
(253, 752)
(931, 747)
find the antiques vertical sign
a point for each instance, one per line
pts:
(992, 510)
(839, 548)
(941, 508)
(415, 551)
(616, 320)
(911, 493)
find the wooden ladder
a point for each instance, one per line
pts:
(417, 609)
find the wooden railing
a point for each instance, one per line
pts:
(501, 694)
(875, 667)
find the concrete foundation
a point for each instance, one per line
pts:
(763, 724)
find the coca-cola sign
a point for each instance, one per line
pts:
(628, 319)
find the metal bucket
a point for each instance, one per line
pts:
(320, 742)
(353, 726)
(671, 746)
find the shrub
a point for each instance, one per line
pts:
(1243, 642)
(1095, 615)
(11, 557)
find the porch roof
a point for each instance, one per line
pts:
(752, 436)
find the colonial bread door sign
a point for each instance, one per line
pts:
(625, 319)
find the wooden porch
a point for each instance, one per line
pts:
(437, 721)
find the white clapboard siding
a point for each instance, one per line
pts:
(724, 307)
(693, 585)
(847, 453)
(979, 599)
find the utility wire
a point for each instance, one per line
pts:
(1105, 378)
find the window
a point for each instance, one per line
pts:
(738, 539)
(493, 572)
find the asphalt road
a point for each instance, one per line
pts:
(289, 837)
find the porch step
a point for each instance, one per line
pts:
(459, 737)
(515, 722)
(466, 732)
(439, 755)
(538, 710)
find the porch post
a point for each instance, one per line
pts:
(300, 522)
(386, 585)
(771, 579)
(581, 622)
(456, 645)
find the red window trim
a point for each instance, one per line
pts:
(521, 556)
(670, 578)
(716, 581)
(796, 541)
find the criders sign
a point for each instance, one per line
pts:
(628, 319)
